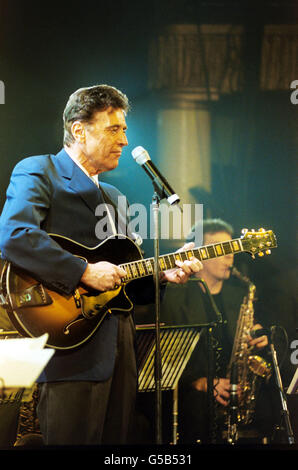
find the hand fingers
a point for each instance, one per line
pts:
(120, 272)
(190, 266)
(113, 276)
(225, 383)
(260, 342)
(221, 400)
(187, 246)
(117, 276)
(222, 392)
(184, 267)
(181, 276)
(222, 397)
(103, 275)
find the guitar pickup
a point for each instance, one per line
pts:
(33, 296)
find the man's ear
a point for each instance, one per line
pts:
(78, 132)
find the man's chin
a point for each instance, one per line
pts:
(113, 165)
(227, 274)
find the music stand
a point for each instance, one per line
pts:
(292, 398)
(176, 346)
(285, 417)
(21, 362)
(293, 387)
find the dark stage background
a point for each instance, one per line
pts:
(49, 49)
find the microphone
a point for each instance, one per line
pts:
(142, 158)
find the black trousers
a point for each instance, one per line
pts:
(92, 413)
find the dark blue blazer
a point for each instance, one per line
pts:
(51, 194)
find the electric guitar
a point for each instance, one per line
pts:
(70, 320)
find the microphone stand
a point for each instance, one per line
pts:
(210, 363)
(158, 366)
(159, 194)
(210, 384)
(284, 408)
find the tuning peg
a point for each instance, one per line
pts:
(262, 230)
(252, 230)
(268, 252)
(261, 254)
(244, 230)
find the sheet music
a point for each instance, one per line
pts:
(22, 360)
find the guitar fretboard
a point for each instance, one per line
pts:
(146, 267)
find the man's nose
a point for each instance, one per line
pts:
(123, 140)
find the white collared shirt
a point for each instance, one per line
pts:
(95, 181)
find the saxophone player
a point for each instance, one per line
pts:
(191, 305)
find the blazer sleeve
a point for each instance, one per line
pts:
(23, 241)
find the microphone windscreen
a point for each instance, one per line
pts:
(140, 155)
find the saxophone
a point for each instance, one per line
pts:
(249, 369)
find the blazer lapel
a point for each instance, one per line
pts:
(79, 181)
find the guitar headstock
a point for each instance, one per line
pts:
(258, 242)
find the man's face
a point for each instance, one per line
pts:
(218, 268)
(105, 138)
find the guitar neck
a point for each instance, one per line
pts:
(146, 267)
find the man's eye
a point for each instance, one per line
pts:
(115, 130)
